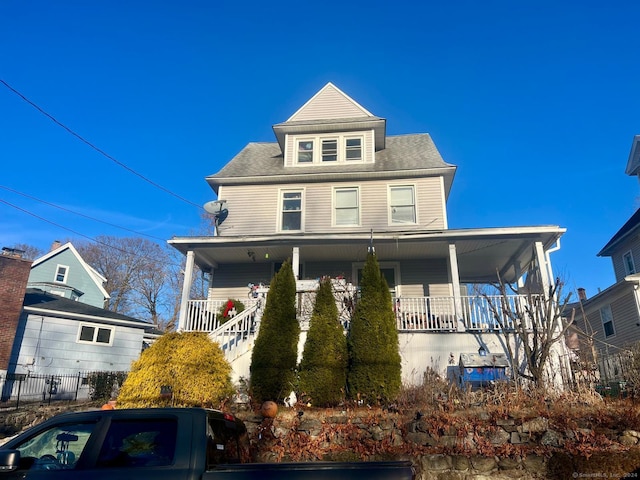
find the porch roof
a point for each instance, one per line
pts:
(481, 252)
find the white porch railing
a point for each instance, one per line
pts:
(236, 335)
(438, 314)
(478, 312)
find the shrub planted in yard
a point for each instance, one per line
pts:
(374, 358)
(275, 353)
(323, 369)
(180, 369)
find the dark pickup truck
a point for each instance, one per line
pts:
(160, 444)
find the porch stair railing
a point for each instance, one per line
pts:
(236, 336)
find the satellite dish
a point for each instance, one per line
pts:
(214, 207)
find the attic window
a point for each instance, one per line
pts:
(305, 151)
(61, 274)
(330, 150)
(354, 149)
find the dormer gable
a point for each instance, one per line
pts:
(332, 113)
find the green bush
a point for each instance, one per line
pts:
(275, 353)
(374, 357)
(189, 365)
(105, 385)
(323, 369)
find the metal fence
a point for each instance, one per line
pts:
(29, 388)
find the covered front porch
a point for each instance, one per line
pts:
(435, 276)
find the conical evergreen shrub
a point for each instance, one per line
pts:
(275, 353)
(323, 369)
(191, 365)
(374, 357)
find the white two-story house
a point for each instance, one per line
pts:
(332, 185)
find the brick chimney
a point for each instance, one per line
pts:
(14, 273)
(55, 245)
(582, 294)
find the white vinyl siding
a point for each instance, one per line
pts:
(347, 209)
(402, 204)
(62, 272)
(256, 209)
(607, 321)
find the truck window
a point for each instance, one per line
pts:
(139, 443)
(57, 448)
(223, 444)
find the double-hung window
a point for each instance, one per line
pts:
(347, 209)
(402, 204)
(629, 265)
(61, 274)
(291, 215)
(330, 150)
(92, 333)
(353, 149)
(305, 151)
(607, 321)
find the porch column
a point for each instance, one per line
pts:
(455, 282)
(186, 289)
(295, 262)
(543, 268)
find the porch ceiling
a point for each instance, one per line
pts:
(481, 252)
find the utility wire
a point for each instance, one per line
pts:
(80, 214)
(100, 151)
(94, 240)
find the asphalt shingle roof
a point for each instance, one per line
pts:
(405, 152)
(37, 298)
(627, 228)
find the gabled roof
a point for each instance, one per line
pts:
(408, 155)
(331, 110)
(329, 103)
(633, 164)
(38, 301)
(627, 229)
(92, 272)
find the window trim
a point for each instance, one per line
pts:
(334, 210)
(390, 206)
(625, 256)
(97, 327)
(317, 149)
(281, 210)
(607, 308)
(64, 277)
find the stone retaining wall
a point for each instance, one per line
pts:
(502, 449)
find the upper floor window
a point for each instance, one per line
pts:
(354, 149)
(61, 273)
(330, 150)
(305, 151)
(291, 214)
(629, 265)
(321, 149)
(607, 321)
(347, 210)
(93, 333)
(402, 204)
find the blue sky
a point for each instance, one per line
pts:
(536, 102)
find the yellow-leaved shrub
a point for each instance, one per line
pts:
(179, 369)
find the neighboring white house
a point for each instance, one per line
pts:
(331, 185)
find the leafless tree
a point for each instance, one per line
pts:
(531, 328)
(30, 252)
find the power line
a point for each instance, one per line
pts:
(97, 149)
(80, 214)
(94, 240)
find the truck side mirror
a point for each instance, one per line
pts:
(9, 460)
